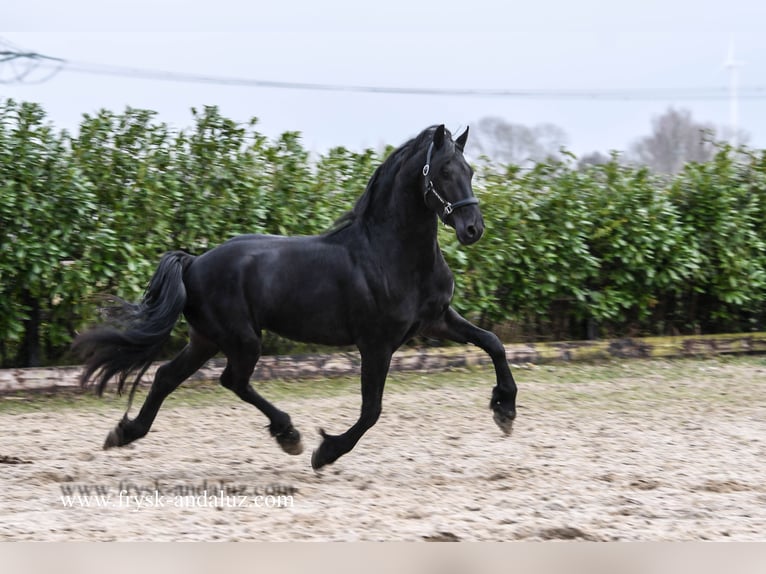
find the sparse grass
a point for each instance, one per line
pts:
(559, 385)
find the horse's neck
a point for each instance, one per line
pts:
(399, 223)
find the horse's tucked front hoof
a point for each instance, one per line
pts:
(290, 441)
(504, 419)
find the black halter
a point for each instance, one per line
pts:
(448, 207)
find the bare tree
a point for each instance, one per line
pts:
(506, 142)
(592, 158)
(675, 140)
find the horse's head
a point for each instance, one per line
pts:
(447, 186)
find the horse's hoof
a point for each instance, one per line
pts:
(114, 438)
(292, 448)
(504, 420)
(290, 441)
(316, 462)
(328, 451)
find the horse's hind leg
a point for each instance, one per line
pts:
(169, 376)
(236, 377)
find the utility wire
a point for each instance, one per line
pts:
(19, 65)
(702, 93)
(57, 65)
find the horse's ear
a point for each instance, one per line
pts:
(439, 137)
(462, 138)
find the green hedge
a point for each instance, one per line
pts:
(614, 250)
(606, 251)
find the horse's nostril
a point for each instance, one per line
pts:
(471, 231)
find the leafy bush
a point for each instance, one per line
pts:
(609, 250)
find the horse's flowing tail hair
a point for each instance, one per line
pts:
(136, 332)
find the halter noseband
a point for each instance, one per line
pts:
(448, 207)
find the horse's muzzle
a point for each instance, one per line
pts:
(468, 224)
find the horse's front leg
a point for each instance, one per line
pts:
(453, 327)
(375, 363)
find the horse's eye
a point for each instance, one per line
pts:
(444, 171)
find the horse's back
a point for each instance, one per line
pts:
(298, 287)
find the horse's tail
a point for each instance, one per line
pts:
(137, 332)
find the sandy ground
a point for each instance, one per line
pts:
(639, 454)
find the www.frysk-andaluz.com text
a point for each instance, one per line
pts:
(158, 494)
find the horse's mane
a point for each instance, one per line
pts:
(383, 178)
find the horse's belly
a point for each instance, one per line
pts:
(317, 327)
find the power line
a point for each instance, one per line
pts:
(627, 94)
(702, 93)
(17, 65)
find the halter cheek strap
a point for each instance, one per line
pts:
(448, 206)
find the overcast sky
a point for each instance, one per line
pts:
(435, 44)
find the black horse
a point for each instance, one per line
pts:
(375, 280)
